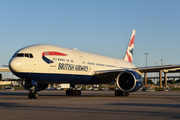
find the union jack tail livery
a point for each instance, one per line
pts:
(129, 52)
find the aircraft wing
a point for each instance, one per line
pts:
(110, 74)
(4, 70)
(165, 68)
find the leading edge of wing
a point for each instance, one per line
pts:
(165, 68)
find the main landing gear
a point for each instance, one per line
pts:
(73, 92)
(33, 94)
(121, 93)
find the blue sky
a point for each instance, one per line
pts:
(97, 26)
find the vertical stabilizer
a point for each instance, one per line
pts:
(129, 52)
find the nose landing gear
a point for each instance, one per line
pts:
(33, 94)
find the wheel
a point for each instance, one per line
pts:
(75, 92)
(67, 93)
(35, 95)
(127, 93)
(124, 93)
(30, 95)
(116, 92)
(79, 92)
(121, 93)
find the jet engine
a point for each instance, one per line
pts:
(129, 81)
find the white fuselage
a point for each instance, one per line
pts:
(63, 61)
(73, 58)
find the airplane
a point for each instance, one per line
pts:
(39, 65)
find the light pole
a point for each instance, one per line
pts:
(145, 74)
(161, 61)
(146, 58)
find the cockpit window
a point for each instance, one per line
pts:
(28, 55)
(20, 55)
(31, 56)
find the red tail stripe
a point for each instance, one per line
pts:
(129, 57)
(132, 41)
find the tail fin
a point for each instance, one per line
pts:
(129, 52)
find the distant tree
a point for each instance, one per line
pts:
(178, 81)
(171, 81)
(149, 81)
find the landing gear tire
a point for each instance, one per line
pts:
(32, 95)
(68, 92)
(35, 95)
(121, 93)
(127, 93)
(76, 92)
(79, 91)
(73, 92)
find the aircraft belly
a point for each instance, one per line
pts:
(59, 78)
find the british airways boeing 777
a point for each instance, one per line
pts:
(39, 65)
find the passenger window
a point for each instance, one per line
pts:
(90, 63)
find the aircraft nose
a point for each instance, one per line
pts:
(15, 65)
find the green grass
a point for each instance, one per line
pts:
(16, 88)
(19, 88)
(175, 89)
(159, 89)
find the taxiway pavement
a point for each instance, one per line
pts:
(101, 105)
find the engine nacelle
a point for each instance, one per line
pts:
(129, 81)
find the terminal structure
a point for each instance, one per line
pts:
(177, 70)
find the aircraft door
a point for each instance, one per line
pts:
(81, 60)
(117, 65)
(81, 67)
